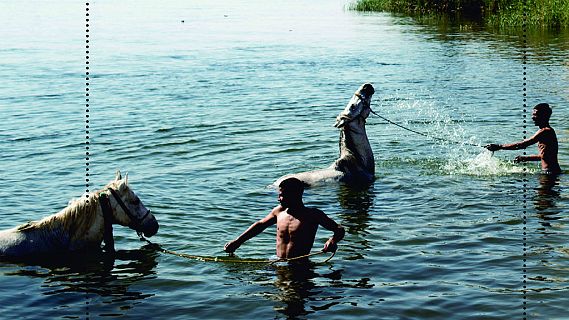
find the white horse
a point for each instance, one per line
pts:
(82, 225)
(356, 162)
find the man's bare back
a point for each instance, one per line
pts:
(296, 229)
(296, 225)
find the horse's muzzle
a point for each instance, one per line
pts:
(150, 228)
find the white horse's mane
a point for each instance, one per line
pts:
(77, 218)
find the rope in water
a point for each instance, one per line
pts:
(426, 135)
(216, 259)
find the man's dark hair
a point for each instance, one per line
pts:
(543, 108)
(292, 185)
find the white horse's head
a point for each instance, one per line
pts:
(358, 106)
(128, 209)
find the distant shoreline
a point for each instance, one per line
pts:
(546, 14)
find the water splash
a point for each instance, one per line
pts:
(482, 164)
(453, 136)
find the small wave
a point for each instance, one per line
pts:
(178, 57)
(48, 96)
(40, 137)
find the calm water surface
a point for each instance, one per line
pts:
(206, 113)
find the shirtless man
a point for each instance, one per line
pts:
(545, 138)
(296, 224)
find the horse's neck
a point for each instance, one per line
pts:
(82, 222)
(354, 142)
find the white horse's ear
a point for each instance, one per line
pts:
(118, 175)
(126, 179)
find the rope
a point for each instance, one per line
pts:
(216, 259)
(426, 135)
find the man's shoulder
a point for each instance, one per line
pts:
(550, 129)
(277, 209)
(546, 132)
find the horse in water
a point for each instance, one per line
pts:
(82, 225)
(355, 163)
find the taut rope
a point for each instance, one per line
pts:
(426, 135)
(204, 258)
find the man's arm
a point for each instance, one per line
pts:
(516, 145)
(251, 232)
(339, 232)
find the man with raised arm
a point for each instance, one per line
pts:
(545, 138)
(296, 224)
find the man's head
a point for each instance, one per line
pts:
(290, 192)
(541, 114)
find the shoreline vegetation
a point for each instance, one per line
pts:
(545, 14)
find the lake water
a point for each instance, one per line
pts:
(206, 104)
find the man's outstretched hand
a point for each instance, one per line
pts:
(493, 147)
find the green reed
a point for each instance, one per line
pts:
(495, 13)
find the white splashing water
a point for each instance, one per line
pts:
(482, 164)
(458, 132)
